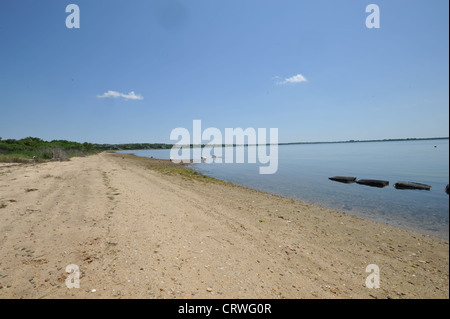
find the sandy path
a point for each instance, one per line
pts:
(136, 233)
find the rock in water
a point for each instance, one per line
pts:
(343, 179)
(373, 183)
(412, 185)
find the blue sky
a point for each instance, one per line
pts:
(225, 63)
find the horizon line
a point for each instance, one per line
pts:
(291, 143)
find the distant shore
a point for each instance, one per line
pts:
(156, 146)
(148, 228)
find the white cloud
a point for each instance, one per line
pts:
(293, 79)
(115, 95)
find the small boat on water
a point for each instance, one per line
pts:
(343, 179)
(447, 189)
(373, 182)
(412, 185)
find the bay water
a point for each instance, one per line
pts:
(304, 169)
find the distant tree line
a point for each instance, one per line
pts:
(152, 146)
(33, 147)
(368, 141)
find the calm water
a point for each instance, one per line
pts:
(303, 172)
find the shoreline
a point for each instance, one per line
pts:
(373, 218)
(143, 228)
(403, 223)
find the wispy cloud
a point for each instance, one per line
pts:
(116, 95)
(293, 79)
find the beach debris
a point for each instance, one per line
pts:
(412, 185)
(343, 179)
(261, 220)
(373, 182)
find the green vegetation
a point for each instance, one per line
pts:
(182, 171)
(24, 150)
(169, 168)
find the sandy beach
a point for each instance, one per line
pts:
(137, 232)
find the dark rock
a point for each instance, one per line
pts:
(343, 179)
(373, 183)
(412, 185)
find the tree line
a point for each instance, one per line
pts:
(33, 147)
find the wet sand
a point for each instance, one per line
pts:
(136, 228)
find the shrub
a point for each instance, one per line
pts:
(59, 155)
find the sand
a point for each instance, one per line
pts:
(137, 232)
